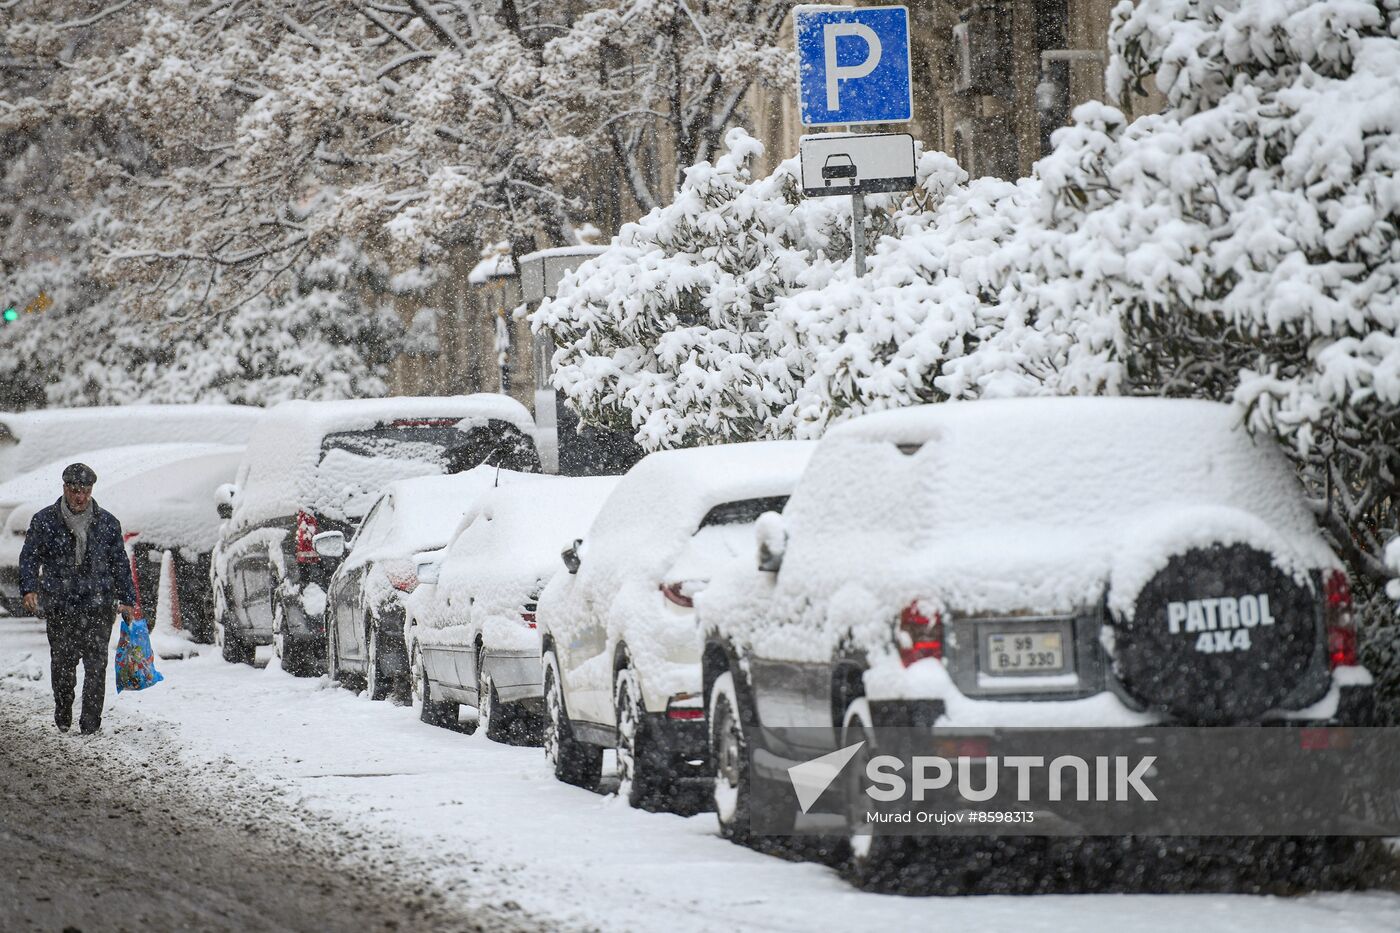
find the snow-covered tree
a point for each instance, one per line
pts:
(670, 335)
(319, 340)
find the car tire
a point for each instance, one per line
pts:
(232, 647)
(874, 860)
(645, 777)
(729, 756)
(298, 655)
(377, 685)
(440, 713)
(495, 718)
(574, 762)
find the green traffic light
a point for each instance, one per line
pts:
(11, 314)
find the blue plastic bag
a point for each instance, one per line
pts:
(136, 662)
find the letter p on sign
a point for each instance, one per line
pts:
(853, 65)
(835, 74)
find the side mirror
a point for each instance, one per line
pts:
(224, 497)
(329, 544)
(572, 561)
(429, 572)
(772, 541)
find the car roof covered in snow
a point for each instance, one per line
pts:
(172, 505)
(29, 439)
(112, 464)
(430, 510)
(663, 498)
(530, 524)
(281, 473)
(1039, 503)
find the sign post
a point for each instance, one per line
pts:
(853, 69)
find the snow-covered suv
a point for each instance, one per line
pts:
(621, 650)
(312, 467)
(1077, 562)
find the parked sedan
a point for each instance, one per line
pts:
(1098, 563)
(379, 569)
(621, 650)
(472, 634)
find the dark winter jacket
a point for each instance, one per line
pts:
(47, 567)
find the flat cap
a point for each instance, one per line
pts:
(79, 474)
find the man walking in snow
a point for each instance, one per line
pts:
(73, 568)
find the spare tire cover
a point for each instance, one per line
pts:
(1220, 634)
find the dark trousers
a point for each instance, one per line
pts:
(73, 638)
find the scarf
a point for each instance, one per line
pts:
(78, 523)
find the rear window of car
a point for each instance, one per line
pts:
(742, 511)
(404, 439)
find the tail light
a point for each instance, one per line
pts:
(685, 706)
(672, 591)
(527, 615)
(1341, 625)
(307, 528)
(920, 636)
(402, 576)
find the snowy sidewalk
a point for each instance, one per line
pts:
(501, 828)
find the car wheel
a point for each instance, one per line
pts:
(232, 648)
(643, 772)
(875, 861)
(493, 717)
(440, 713)
(574, 762)
(729, 753)
(298, 655)
(377, 685)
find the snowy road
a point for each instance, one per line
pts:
(484, 831)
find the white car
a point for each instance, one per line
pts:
(473, 631)
(166, 509)
(621, 650)
(1033, 562)
(30, 439)
(23, 495)
(378, 571)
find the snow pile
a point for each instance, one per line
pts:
(22, 666)
(643, 528)
(507, 551)
(1036, 506)
(286, 469)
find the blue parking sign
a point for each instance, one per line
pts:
(853, 65)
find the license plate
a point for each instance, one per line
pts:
(1024, 653)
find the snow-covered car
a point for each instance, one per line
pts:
(21, 496)
(1072, 561)
(166, 508)
(472, 633)
(30, 439)
(319, 466)
(379, 569)
(621, 652)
